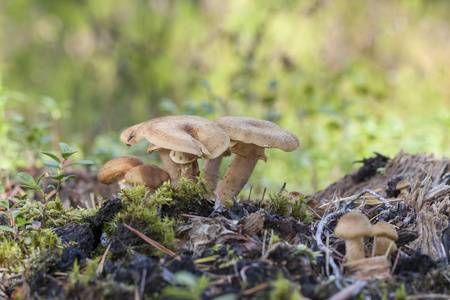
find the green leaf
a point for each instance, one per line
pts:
(58, 177)
(66, 155)
(28, 187)
(27, 240)
(19, 202)
(24, 197)
(4, 213)
(53, 156)
(64, 147)
(69, 177)
(27, 178)
(82, 162)
(51, 164)
(40, 177)
(4, 203)
(7, 229)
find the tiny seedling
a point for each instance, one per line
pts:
(58, 164)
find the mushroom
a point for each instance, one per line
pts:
(211, 169)
(249, 137)
(114, 170)
(352, 227)
(404, 187)
(150, 176)
(384, 234)
(183, 139)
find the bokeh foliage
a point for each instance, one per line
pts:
(348, 77)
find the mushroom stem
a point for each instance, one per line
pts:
(236, 177)
(354, 249)
(170, 166)
(382, 245)
(190, 170)
(211, 170)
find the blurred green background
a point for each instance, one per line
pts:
(347, 77)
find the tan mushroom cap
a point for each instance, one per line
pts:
(353, 225)
(132, 135)
(189, 134)
(148, 175)
(384, 229)
(259, 132)
(115, 169)
(403, 184)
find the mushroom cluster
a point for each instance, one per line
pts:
(352, 227)
(181, 140)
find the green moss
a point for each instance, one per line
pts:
(11, 253)
(147, 220)
(288, 206)
(53, 214)
(187, 192)
(43, 237)
(284, 289)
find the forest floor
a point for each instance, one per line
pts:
(176, 244)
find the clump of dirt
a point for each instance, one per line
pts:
(370, 167)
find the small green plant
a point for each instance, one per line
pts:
(400, 293)
(284, 289)
(16, 219)
(187, 286)
(58, 164)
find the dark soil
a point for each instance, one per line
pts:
(248, 252)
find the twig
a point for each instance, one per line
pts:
(427, 296)
(153, 243)
(350, 291)
(262, 198)
(102, 261)
(249, 194)
(255, 289)
(396, 261)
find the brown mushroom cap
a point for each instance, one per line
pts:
(189, 134)
(148, 175)
(259, 132)
(353, 225)
(115, 169)
(384, 229)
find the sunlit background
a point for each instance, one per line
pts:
(347, 77)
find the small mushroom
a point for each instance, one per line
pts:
(150, 176)
(404, 187)
(114, 170)
(352, 227)
(249, 137)
(384, 234)
(186, 138)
